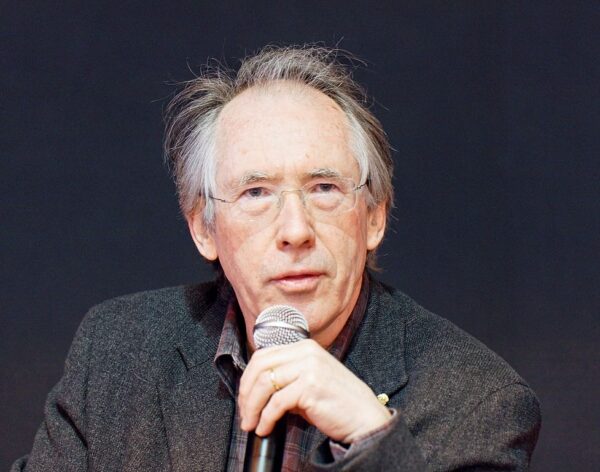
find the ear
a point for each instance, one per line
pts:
(202, 236)
(376, 220)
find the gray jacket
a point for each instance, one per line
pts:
(140, 392)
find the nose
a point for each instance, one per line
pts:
(295, 227)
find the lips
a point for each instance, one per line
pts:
(298, 274)
(297, 281)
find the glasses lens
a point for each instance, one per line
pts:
(330, 197)
(256, 201)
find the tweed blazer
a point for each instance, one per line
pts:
(140, 392)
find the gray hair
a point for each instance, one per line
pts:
(191, 119)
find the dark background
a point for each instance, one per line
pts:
(492, 108)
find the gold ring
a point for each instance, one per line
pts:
(274, 380)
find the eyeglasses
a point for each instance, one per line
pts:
(323, 198)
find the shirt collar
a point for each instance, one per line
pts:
(230, 358)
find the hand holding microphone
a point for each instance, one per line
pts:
(303, 378)
(275, 326)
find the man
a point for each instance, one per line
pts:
(284, 177)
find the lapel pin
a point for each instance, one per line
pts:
(383, 398)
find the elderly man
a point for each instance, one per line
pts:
(284, 177)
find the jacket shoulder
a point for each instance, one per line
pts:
(438, 344)
(142, 330)
(162, 306)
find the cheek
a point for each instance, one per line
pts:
(239, 249)
(346, 242)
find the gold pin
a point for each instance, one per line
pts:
(383, 398)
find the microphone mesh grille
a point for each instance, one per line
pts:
(279, 324)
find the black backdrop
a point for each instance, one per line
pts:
(492, 108)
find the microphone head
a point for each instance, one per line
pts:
(279, 324)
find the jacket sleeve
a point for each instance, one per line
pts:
(60, 442)
(498, 434)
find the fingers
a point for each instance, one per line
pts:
(279, 403)
(271, 358)
(311, 383)
(256, 397)
(270, 371)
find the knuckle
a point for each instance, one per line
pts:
(267, 416)
(256, 360)
(265, 379)
(311, 380)
(276, 402)
(273, 410)
(307, 402)
(312, 362)
(243, 391)
(251, 413)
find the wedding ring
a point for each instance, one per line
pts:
(274, 380)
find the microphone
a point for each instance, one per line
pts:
(275, 326)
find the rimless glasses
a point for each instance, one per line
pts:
(323, 198)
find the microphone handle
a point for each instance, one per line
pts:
(265, 454)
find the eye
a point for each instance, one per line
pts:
(255, 192)
(325, 187)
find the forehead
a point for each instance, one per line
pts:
(282, 130)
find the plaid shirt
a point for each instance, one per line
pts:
(230, 361)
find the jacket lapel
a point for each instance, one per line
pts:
(197, 409)
(376, 354)
(197, 421)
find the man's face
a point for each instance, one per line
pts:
(285, 133)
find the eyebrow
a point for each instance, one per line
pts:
(258, 176)
(252, 177)
(326, 172)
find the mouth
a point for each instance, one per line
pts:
(297, 282)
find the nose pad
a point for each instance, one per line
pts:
(295, 226)
(300, 193)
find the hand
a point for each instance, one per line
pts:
(313, 384)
